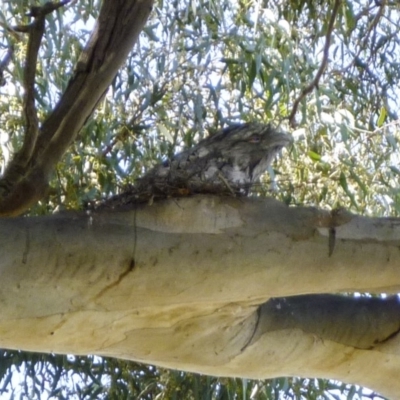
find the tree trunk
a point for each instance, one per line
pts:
(204, 284)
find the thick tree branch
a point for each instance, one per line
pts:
(17, 167)
(314, 84)
(151, 285)
(119, 25)
(117, 30)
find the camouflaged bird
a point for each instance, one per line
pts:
(229, 162)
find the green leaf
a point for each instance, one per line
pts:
(252, 72)
(382, 117)
(350, 19)
(314, 156)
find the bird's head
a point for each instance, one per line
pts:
(248, 150)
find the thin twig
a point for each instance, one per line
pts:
(314, 84)
(364, 43)
(47, 8)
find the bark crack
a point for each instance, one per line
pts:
(256, 325)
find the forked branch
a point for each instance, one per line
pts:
(117, 29)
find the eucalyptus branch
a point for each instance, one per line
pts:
(17, 167)
(117, 30)
(314, 84)
(36, 31)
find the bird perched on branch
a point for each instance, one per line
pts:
(229, 162)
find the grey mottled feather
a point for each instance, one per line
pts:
(230, 161)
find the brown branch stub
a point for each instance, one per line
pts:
(331, 240)
(332, 220)
(314, 83)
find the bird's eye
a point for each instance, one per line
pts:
(255, 139)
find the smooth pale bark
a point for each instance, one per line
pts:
(186, 283)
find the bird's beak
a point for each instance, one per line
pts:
(281, 138)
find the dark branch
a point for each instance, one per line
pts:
(47, 8)
(31, 119)
(16, 169)
(117, 30)
(36, 31)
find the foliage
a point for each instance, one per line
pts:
(199, 65)
(71, 377)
